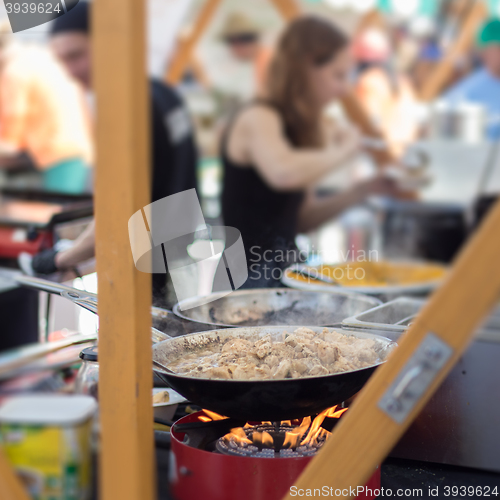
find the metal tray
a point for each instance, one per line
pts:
(398, 314)
(393, 316)
(459, 424)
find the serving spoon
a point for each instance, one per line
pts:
(306, 273)
(163, 367)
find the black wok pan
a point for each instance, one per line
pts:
(262, 399)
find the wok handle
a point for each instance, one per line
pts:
(87, 300)
(46, 285)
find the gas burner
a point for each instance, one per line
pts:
(287, 439)
(203, 458)
(270, 441)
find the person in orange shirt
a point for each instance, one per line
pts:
(385, 94)
(43, 113)
(243, 38)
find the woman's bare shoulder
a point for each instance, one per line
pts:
(258, 116)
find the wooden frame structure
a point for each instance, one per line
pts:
(441, 75)
(122, 188)
(10, 485)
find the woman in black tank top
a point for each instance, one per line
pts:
(275, 150)
(266, 218)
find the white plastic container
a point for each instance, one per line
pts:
(47, 440)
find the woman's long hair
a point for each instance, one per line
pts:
(307, 42)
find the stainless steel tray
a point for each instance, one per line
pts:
(459, 424)
(393, 316)
(398, 314)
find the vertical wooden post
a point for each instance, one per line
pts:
(441, 75)
(122, 188)
(358, 115)
(289, 9)
(10, 486)
(187, 43)
(369, 431)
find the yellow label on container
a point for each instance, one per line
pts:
(53, 462)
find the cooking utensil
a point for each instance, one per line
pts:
(87, 300)
(18, 358)
(275, 306)
(163, 367)
(307, 273)
(262, 399)
(164, 412)
(386, 317)
(385, 291)
(399, 314)
(259, 307)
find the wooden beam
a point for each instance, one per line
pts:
(289, 9)
(199, 71)
(372, 19)
(10, 485)
(367, 434)
(441, 75)
(188, 42)
(122, 188)
(358, 115)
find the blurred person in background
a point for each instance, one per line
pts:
(483, 85)
(173, 151)
(243, 38)
(43, 113)
(277, 148)
(385, 93)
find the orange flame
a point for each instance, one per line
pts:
(210, 416)
(292, 438)
(316, 432)
(263, 438)
(238, 435)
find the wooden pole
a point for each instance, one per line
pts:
(442, 73)
(199, 71)
(358, 115)
(289, 9)
(122, 188)
(187, 43)
(367, 433)
(10, 485)
(372, 19)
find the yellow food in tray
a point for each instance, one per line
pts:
(161, 397)
(373, 274)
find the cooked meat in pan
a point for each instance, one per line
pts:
(303, 353)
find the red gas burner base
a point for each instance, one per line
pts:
(196, 473)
